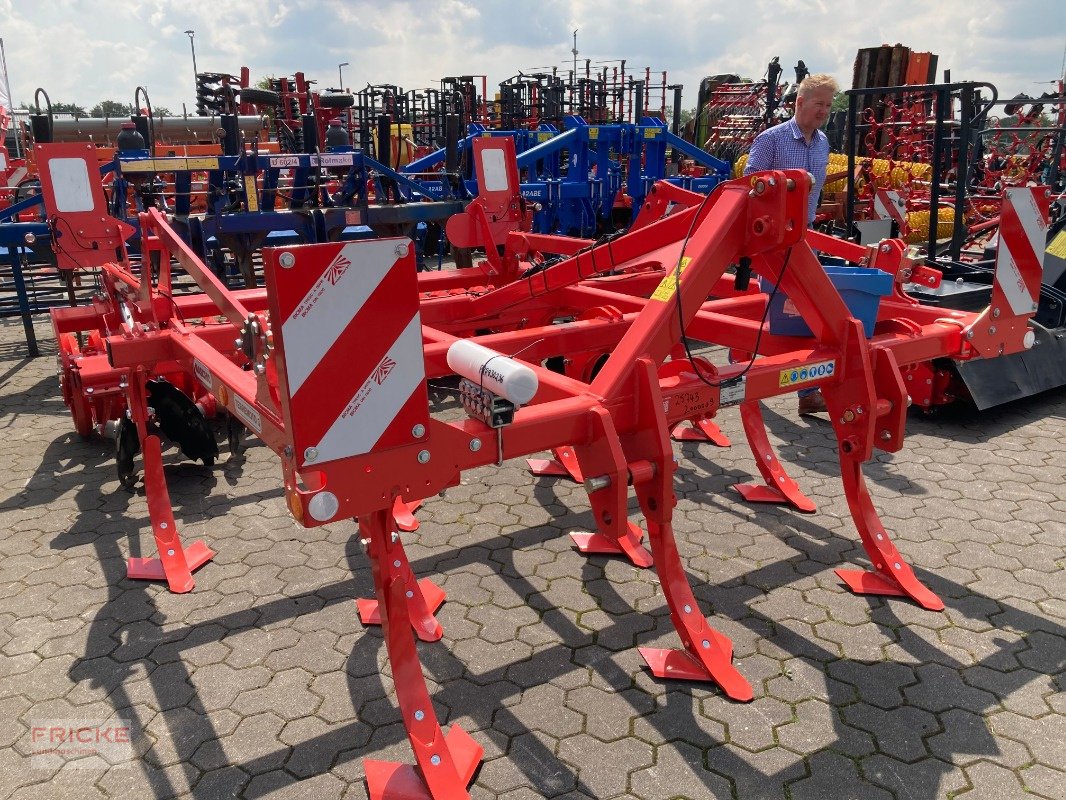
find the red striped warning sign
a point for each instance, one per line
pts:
(353, 375)
(1022, 236)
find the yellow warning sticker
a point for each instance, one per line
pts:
(1058, 245)
(806, 374)
(668, 285)
(651, 133)
(544, 136)
(251, 193)
(140, 165)
(594, 133)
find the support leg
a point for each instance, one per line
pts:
(779, 486)
(175, 563)
(444, 763)
(422, 597)
(608, 489)
(707, 654)
(891, 574)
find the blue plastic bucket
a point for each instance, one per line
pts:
(861, 289)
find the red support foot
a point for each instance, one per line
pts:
(404, 514)
(892, 575)
(716, 667)
(444, 764)
(629, 544)
(175, 563)
(424, 601)
(779, 486)
(708, 654)
(391, 780)
(422, 598)
(701, 430)
(563, 465)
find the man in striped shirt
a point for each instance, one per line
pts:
(800, 144)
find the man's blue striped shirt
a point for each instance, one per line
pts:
(784, 147)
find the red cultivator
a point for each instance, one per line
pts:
(349, 416)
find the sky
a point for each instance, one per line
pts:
(85, 51)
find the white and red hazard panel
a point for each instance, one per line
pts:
(1023, 223)
(351, 366)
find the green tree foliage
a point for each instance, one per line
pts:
(58, 108)
(111, 108)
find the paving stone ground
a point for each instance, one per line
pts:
(262, 683)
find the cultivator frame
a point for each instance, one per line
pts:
(350, 418)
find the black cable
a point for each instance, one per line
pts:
(681, 316)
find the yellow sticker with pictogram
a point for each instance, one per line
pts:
(651, 133)
(668, 285)
(594, 133)
(805, 374)
(1058, 245)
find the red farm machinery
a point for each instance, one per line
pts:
(622, 319)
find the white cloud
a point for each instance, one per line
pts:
(85, 51)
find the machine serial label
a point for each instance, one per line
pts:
(668, 285)
(247, 413)
(732, 394)
(203, 374)
(277, 162)
(811, 372)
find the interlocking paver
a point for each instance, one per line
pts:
(263, 683)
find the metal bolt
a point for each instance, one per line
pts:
(423, 456)
(88, 390)
(365, 543)
(395, 537)
(992, 330)
(287, 452)
(396, 563)
(885, 436)
(409, 594)
(898, 565)
(859, 410)
(688, 609)
(969, 334)
(475, 445)
(435, 761)
(885, 248)
(880, 537)
(287, 259)
(706, 644)
(310, 454)
(995, 312)
(420, 715)
(163, 525)
(170, 552)
(418, 431)
(238, 343)
(402, 249)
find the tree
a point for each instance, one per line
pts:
(840, 102)
(111, 108)
(58, 108)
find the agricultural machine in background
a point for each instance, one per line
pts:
(349, 416)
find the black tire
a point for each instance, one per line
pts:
(336, 101)
(261, 97)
